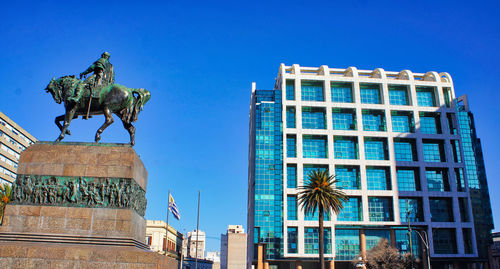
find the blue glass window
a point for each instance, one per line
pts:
(378, 178)
(405, 150)
(426, 96)
(291, 176)
(447, 96)
(398, 95)
(291, 146)
(292, 233)
(341, 92)
(344, 119)
(459, 177)
(311, 240)
(380, 209)
(314, 146)
(373, 120)
(455, 148)
(441, 209)
(347, 177)
(290, 90)
(312, 91)
(402, 121)
(291, 211)
(437, 179)
(372, 237)
(345, 147)
(433, 151)
(430, 123)
(346, 244)
(313, 118)
(370, 94)
(413, 206)
(445, 241)
(290, 117)
(403, 242)
(376, 149)
(408, 179)
(463, 205)
(352, 210)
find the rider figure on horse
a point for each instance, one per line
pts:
(103, 75)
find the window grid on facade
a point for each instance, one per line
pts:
(290, 117)
(313, 118)
(345, 147)
(347, 177)
(370, 94)
(402, 122)
(430, 123)
(459, 177)
(290, 90)
(374, 120)
(398, 95)
(378, 178)
(291, 176)
(314, 216)
(352, 210)
(380, 209)
(344, 119)
(426, 96)
(452, 124)
(341, 92)
(408, 179)
(463, 205)
(291, 146)
(412, 207)
(433, 151)
(292, 234)
(441, 209)
(445, 241)
(373, 237)
(291, 211)
(455, 147)
(314, 146)
(376, 149)
(405, 150)
(312, 91)
(437, 179)
(403, 242)
(311, 240)
(467, 237)
(346, 244)
(447, 96)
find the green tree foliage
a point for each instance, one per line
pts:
(5, 198)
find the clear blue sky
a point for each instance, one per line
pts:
(198, 59)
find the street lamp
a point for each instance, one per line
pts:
(426, 244)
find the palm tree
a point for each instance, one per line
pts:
(319, 193)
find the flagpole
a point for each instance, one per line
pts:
(166, 232)
(197, 232)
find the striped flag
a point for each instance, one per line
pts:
(173, 207)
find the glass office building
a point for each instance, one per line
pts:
(403, 148)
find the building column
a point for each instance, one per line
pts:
(332, 263)
(298, 265)
(260, 256)
(362, 244)
(266, 265)
(393, 238)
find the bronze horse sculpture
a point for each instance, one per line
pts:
(111, 99)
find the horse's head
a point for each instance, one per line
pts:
(54, 90)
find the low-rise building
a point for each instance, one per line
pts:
(157, 241)
(233, 248)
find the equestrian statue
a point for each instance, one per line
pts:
(96, 95)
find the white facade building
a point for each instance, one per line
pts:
(193, 236)
(233, 248)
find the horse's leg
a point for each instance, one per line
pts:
(59, 125)
(67, 120)
(109, 120)
(131, 130)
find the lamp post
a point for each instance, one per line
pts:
(408, 212)
(426, 244)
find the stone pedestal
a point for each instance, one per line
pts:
(77, 201)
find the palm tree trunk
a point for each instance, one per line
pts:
(321, 232)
